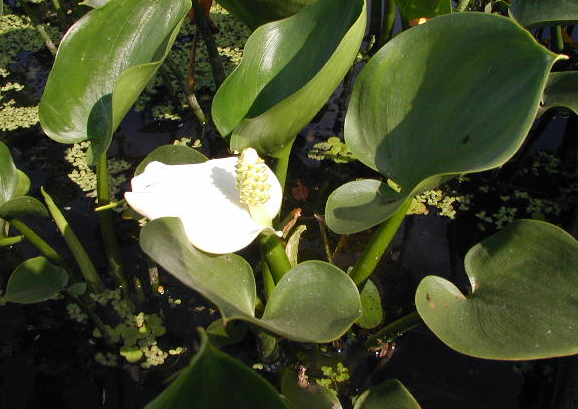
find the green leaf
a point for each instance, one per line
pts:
(228, 282)
(522, 305)
(215, 380)
(288, 71)
(77, 289)
(23, 184)
(171, 155)
(310, 396)
(480, 117)
(423, 8)
(371, 310)
(9, 177)
(537, 13)
(390, 394)
(561, 91)
(35, 280)
(131, 353)
(292, 247)
(221, 335)
(10, 241)
(104, 62)
(258, 12)
(22, 206)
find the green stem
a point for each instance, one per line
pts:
(559, 39)
(213, 53)
(394, 330)
(197, 110)
(10, 241)
(31, 13)
(88, 270)
(324, 238)
(282, 164)
(274, 252)
(386, 30)
(268, 282)
(463, 5)
(377, 245)
(110, 206)
(60, 14)
(107, 226)
(44, 248)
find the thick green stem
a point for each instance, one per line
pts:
(386, 30)
(107, 226)
(377, 245)
(87, 268)
(559, 39)
(31, 13)
(464, 4)
(214, 57)
(394, 330)
(274, 252)
(10, 241)
(268, 282)
(282, 164)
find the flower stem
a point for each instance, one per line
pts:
(84, 262)
(377, 245)
(394, 330)
(268, 282)
(189, 92)
(273, 251)
(107, 226)
(282, 164)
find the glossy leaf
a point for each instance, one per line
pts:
(221, 335)
(423, 8)
(255, 13)
(104, 62)
(536, 13)
(561, 91)
(522, 304)
(480, 117)
(390, 394)
(288, 71)
(35, 280)
(228, 282)
(22, 206)
(171, 155)
(371, 309)
(9, 176)
(215, 380)
(309, 396)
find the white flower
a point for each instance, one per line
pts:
(223, 203)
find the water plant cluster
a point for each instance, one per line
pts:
(441, 106)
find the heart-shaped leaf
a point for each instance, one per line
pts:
(390, 394)
(537, 13)
(35, 280)
(524, 287)
(288, 71)
(104, 61)
(21, 206)
(423, 8)
(313, 302)
(480, 117)
(171, 155)
(255, 13)
(302, 394)
(561, 91)
(215, 380)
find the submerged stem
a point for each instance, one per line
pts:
(107, 226)
(31, 13)
(377, 245)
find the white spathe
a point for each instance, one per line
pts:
(206, 198)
